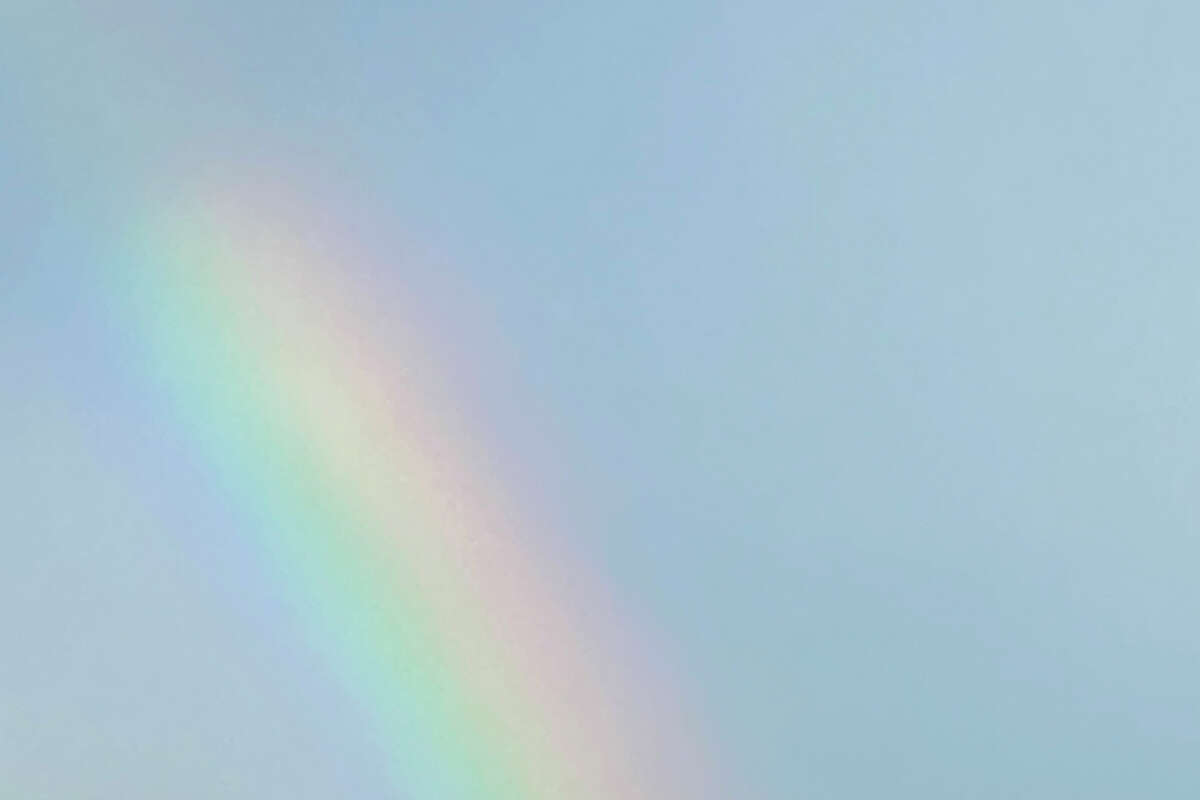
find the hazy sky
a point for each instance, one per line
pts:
(861, 336)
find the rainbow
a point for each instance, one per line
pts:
(453, 623)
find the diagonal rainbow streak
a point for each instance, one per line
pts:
(381, 516)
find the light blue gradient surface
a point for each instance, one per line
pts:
(867, 332)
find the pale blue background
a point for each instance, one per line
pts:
(868, 331)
